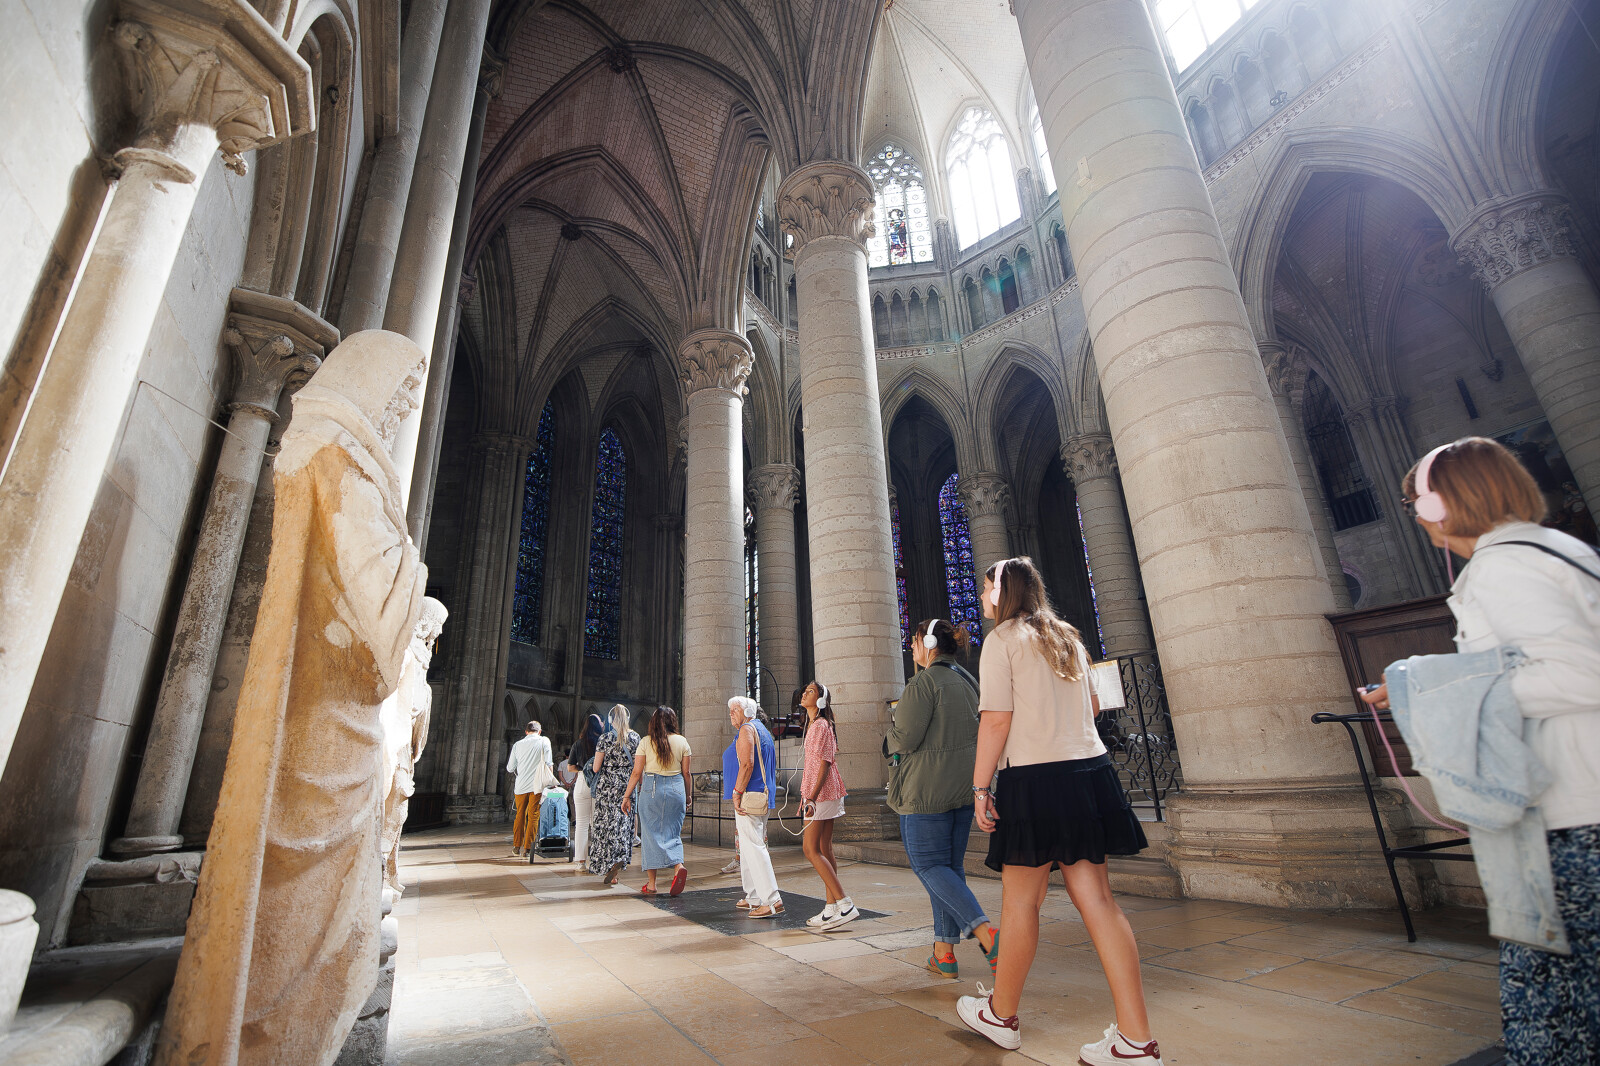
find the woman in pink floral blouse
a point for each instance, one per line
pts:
(822, 800)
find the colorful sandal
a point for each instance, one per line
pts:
(646, 890)
(993, 954)
(944, 967)
(678, 881)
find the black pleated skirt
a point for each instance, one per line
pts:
(1062, 812)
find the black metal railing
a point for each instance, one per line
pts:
(710, 817)
(1138, 735)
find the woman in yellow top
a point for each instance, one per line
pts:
(661, 774)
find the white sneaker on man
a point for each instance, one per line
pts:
(732, 867)
(844, 914)
(1114, 1049)
(824, 916)
(977, 1013)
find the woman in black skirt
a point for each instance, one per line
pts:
(1058, 802)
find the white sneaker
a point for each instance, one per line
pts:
(846, 913)
(823, 917)
(732, 867)
(977, 1013)
(1114, 1049)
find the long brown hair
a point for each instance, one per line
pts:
(663, 724)
(1022, 597)
(824, 705)
(952, 639)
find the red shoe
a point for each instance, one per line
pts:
(679, 879)
(646, 890)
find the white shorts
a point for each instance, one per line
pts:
(827, 811)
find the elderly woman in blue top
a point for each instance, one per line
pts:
(754, 756)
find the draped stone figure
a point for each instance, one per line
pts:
(282, 942)
(405, 730)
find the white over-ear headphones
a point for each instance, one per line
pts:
(1430, 505)
(930, 641)
(999, 572)
(822, 696)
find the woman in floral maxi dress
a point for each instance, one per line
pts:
(611, 832)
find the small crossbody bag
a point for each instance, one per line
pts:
(755, 803)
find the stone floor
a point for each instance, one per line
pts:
(505, 964)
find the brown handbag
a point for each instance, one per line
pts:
(759, 807)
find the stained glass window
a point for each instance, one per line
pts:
(1192, 26)
(959, 585)
(899, 573)
(602, 620)
(904, 234)
(1099, 642)
(530, 546)
(752, 608)
(983, 186)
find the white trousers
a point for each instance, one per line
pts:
(755, 863)
(583, 814)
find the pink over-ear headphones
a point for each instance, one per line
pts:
(999, 573)
(1429, 504)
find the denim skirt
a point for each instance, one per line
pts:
(661, 809)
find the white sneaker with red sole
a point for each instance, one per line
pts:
(977, 1012)
(1114, 1049)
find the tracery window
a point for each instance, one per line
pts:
(1344, 481)
(899, 574)
(602, 619)
(960, 586)
(526, 600)
(1047, 173)
(904, 235)
(752, 612)
(983, 185)
(1192, 26)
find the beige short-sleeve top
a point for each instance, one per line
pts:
(1052, 719)
(679, 746)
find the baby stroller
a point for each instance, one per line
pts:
(555, 839)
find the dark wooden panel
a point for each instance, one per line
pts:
(1372, 639)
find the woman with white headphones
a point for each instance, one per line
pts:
(822, 802)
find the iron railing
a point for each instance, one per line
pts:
(1138, 735)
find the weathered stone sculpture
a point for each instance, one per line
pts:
(282, 944)
(405, 732)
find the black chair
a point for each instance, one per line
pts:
(1415, 851)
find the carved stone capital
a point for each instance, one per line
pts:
(1516, 235)
(669, 523)
(1286, 369)
(1088, 456)
(776, 485)
(984, 495)
(276, 343)
(468, 289)
(714, 359)
(491, 73)
(829, 199)
(210, 66)
(494, 445)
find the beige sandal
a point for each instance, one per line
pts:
(768, 911)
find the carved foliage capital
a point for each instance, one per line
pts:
(208, 66)
(984, 495)
(1088, 456)
(1508, 238)
(1286, 369)
(714, 359)
(831, 199)
(276, 344)
(776, 485)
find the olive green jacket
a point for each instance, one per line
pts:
(935, 733)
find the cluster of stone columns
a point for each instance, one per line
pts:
(1091, 463)
(774, 489)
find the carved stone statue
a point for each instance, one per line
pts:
(282, 942)
(405, 731)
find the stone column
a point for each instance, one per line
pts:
(1236, 585)
(827, 208)
(430, 420)
(421, 261)
(1525, 257)
(1386, 452)
(498, 468)
(714, 364)
(987, 499)
(777, 487)
(383, 212)
(1286, 374)
(1091, 463)
(275, 343)
(204, 76)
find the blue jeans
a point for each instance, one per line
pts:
(936, 844)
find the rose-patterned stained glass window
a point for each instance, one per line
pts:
(905, 234)
(959, 584)
(526, 600)
(900, 574)
(602, 620)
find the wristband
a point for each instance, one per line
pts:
(979, 791)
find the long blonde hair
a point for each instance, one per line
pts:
(619, 723)
(1022, 597)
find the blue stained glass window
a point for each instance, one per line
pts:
(525, 602)
(602, 620)
(900, 574)
(959, 585)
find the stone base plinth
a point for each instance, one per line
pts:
(1291, 848)
(867, 817)
(483, 809)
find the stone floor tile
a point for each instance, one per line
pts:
(898, 1035)
(882, 974)
(1456, 987)
(828, 949)
(1392, 1003)
(1320, 980)
(1188, 934)
(1225, 962)
(593, 995)
(1387, 960)
(630, 1040)
(812, 1050)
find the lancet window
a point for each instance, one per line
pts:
(527, 599)
(960, 586)
(602, 619)
(983, 184)
(904, 234)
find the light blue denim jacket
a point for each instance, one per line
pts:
(1466, 735)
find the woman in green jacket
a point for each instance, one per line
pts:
(934, 741)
